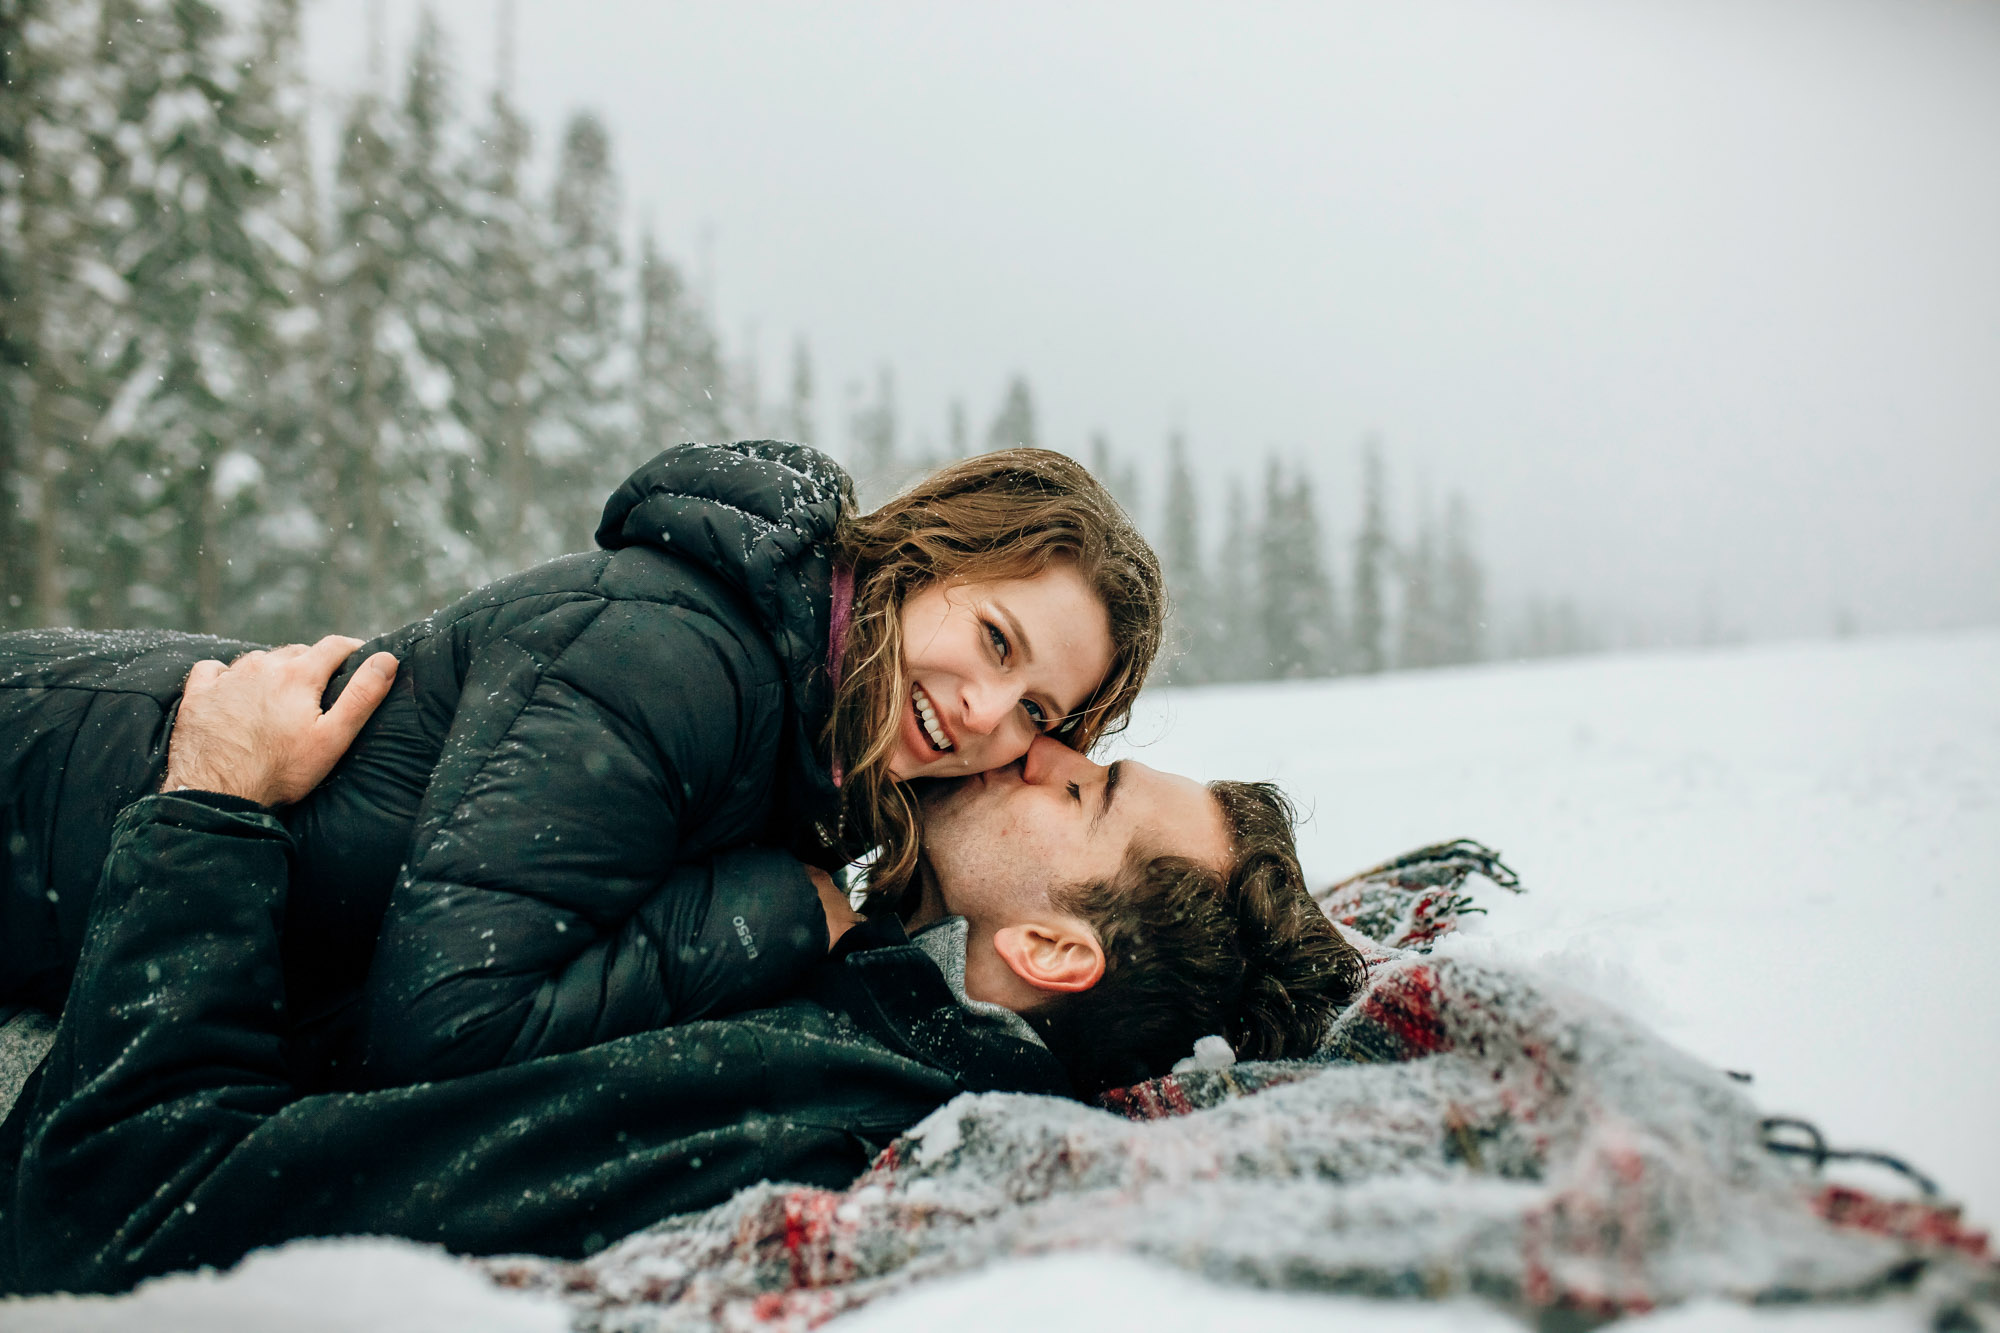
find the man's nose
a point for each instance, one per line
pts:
(1049, 760)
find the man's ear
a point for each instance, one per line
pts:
(1061, 955)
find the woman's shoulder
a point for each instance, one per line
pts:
(670, 604)
(757, 516)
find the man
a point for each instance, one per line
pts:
(1088, 923)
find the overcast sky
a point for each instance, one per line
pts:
(1692, 300)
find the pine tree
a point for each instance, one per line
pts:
(1120, 476)
(501, 380)
(1371, 555)
(678, 389)
(1420, 643)
(871, 428)
(277, 544)
(52, 389)
(583, 443)
(16, 342)
(1014, 424)
(1297, 616)
(400, 332)
(1463, 599)
(437, 517)
(958, 435)
(1316, 605)
(196, 246)
(798, 424)
(1187, 583)
(749, 416)
(1237, 651)
(360, 281)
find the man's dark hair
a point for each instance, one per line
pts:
(1189, 952)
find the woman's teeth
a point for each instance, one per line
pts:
(928, 717)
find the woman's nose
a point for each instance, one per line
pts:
(1049, 760)
(987, 706)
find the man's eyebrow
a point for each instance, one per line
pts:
(1111, 777)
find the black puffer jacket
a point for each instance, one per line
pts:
(581, 790)
(162, 1133)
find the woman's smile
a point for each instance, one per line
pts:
(934, 730)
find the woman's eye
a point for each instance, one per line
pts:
(1076, 793)
(1036, 714)
(999, 641)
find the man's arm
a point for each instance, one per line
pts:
(163, 1132)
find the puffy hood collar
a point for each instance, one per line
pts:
(760, 516)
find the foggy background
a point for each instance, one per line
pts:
(1697, 304)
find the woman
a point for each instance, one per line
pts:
(589, 804)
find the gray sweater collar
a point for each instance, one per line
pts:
(945, 942)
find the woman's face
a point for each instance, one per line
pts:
(992, 665)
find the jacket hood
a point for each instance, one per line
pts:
(760, 516)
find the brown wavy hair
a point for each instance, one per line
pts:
(1005, 515)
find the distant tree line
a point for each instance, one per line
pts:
(244, 395)
(1271, 597)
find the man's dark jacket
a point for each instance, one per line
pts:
(565, 824)
(163, 1132)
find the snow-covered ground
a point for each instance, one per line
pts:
(1783, 857)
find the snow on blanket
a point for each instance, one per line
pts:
(1465, 1130)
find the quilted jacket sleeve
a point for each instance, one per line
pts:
(550, 901)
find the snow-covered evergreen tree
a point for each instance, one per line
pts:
(958, 433)
(877, 464)
(750, 414)
(199, 246)
(1119, 475)
(434, 300)
(16, 342)
(1462, 599)
(278, 542)
(501, 382)
(1187, 581)
(1237, 650)
(399, 328)
(1014, 424)
(1420, 633)
(1297, 616)
(678, 387)
(799, 425)
(583, 437)
(60, 298)
(1369, 631)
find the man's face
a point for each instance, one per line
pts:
(996, 844)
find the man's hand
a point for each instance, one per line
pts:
(255, 729)
(840, 914)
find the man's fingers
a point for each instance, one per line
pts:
(327, 655)
(360, 697)
(202, 674)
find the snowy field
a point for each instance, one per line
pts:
(1782, 857)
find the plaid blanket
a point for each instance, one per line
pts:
(1465, 1130)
